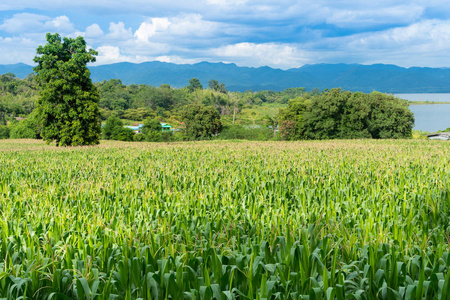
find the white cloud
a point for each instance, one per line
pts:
(270, 54)
(176, 59)
(17, 49)
(150, 28)
(112, 54)
(185, 26)
(108, 54)
(424, 43)
(24, 22)
(193, 25)
(117, 31)
(373, 16)
(93, 31)
(60, 24)
(282, 33)
(429, 36)
(226, 2)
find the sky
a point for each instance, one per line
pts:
(276, 33)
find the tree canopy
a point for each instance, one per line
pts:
(194, 84)
(201, 121)
(114, 130)
(342, 114)
(68, 102)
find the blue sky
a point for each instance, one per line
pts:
(280, 34)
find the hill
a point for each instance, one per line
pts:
(353, 77)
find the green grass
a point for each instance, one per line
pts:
(356, 219)
(254, 115)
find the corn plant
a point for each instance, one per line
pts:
(359, 219)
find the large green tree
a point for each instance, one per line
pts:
(68, 102)
(338, 114)
(201, 121)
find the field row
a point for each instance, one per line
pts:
(358, 219)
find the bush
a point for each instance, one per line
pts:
(166, 136)
(233, 132)
(114, 130)
(139, 137)
(29, 128)
(4, 132)
(22, 130)
(152, 130)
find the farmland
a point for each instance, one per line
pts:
(342, 219)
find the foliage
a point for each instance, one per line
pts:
(124, 134)
(220, 220)
(215, 86)
(4, 132)
(29, 128)
(23, 130)
(138, 102)
(194, 84)
(444, 130)
(114, 130)
(112, 125)
(68, 102)
(17, 96)
(419, 134)
(139, 137)
(250, 133)
(292, 123)
(152, 130)
(343, 114)
(201, 121)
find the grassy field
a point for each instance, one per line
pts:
(356, 219)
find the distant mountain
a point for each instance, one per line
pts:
(20, 70)
(354, 77)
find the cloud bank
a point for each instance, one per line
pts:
(281, 34)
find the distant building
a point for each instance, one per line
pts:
(166, 127)
(439, 136)
(138, 128)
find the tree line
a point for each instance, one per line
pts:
(61, 104)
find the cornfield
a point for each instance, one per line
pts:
(355, 219)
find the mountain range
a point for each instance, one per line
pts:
(353, 77)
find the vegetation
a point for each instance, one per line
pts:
(291, 114)
(17, 96)
(285, 220)
(68, 102)
(343, 114)
(427, 102)
(201, 121)
(152, 130)
(4, 132)
(114, 130)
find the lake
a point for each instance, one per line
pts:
(429, 117)
(438, 97)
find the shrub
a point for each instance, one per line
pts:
(139, 137)
(246, 133)
(22, 130)
(114, 130)
(4, 132)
